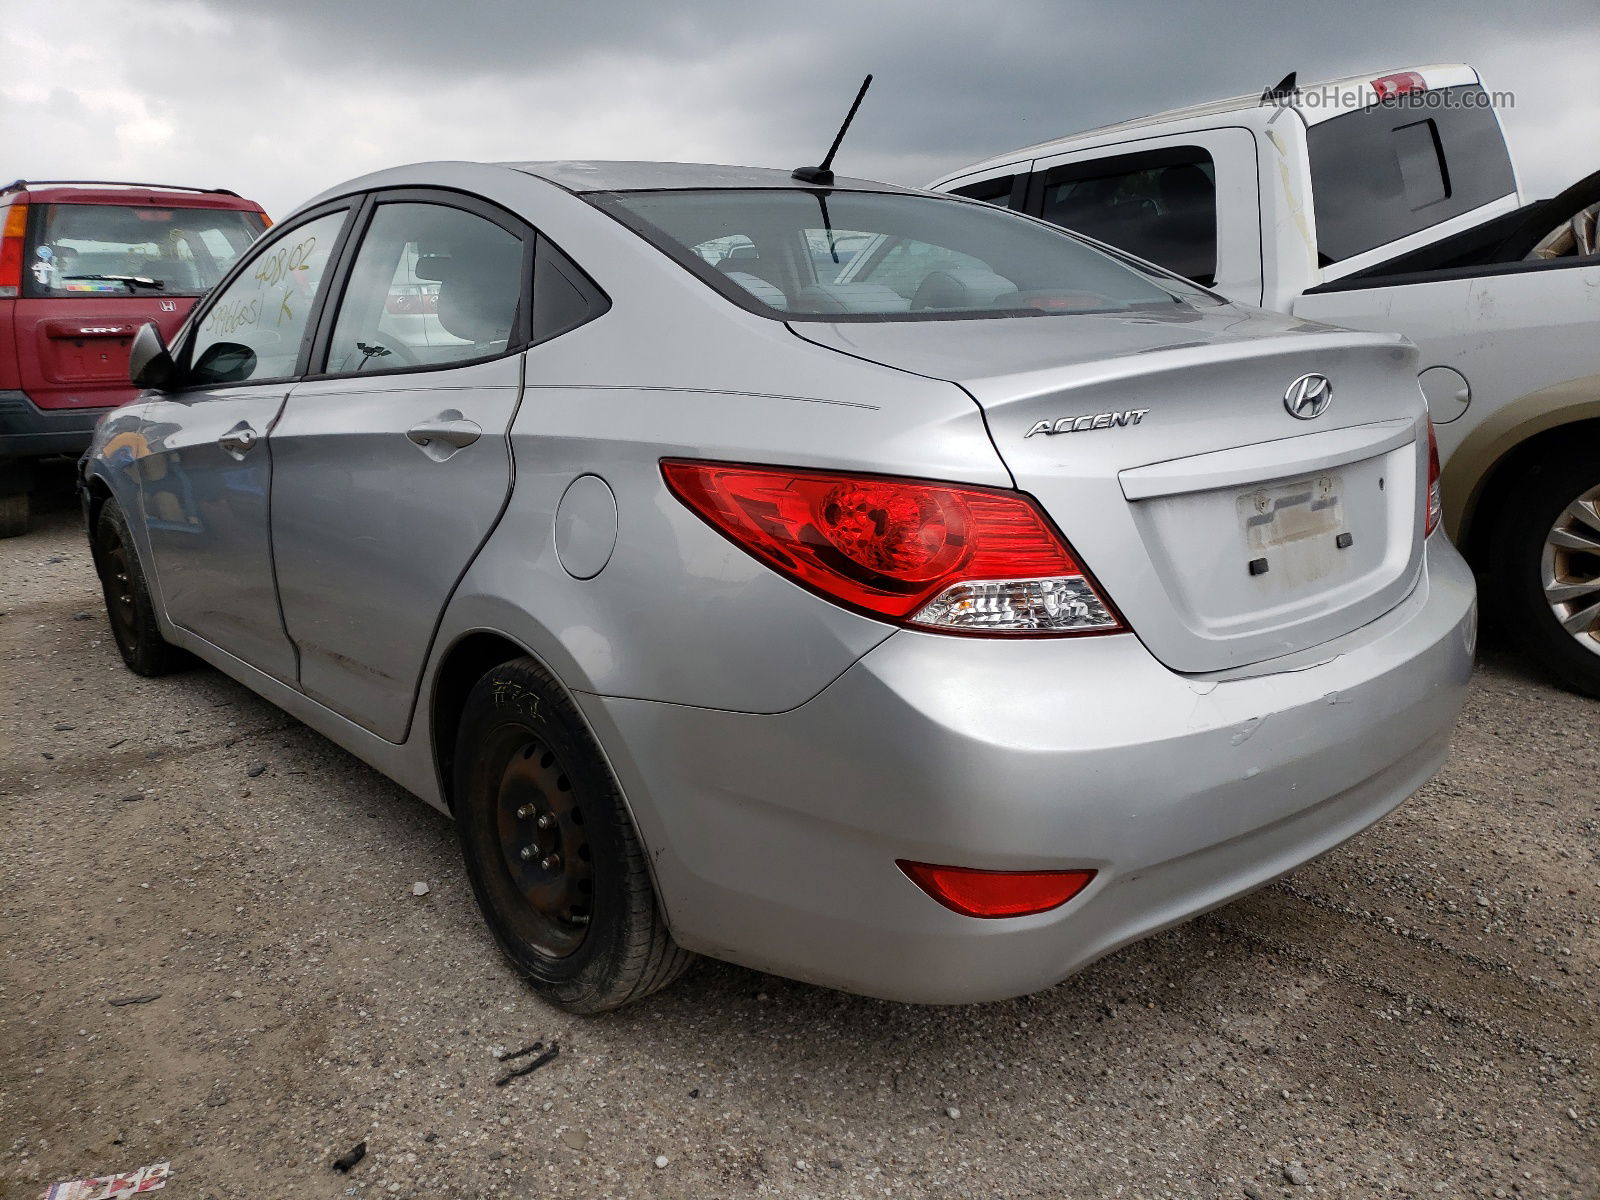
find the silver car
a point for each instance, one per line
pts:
(868, 586)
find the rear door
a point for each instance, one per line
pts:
(206, 477)
(391, 467)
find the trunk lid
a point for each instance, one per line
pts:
(1226, 530)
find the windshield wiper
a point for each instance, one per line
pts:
(134, 282)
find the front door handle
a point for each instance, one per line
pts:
(239, 440)
(448, 428)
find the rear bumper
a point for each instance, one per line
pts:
(28, 431)
(774, 837)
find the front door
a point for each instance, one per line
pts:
(206, 482)
(391, 469)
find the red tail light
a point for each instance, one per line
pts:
(13, 235)
(974, 893)
(937, 555)
(1398, 84)
(1435, 494)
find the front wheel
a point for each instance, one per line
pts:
(129, 609)
(1544, 548)
(551, 852)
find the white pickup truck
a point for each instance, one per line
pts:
(1388, 202)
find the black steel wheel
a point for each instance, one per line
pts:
(554, 860)
(129, 609)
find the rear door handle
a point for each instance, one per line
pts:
(239, 440)
(450, 429)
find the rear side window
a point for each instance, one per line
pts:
(431, 285)
(1158, 204)
(1399, 167)
(563, 296)
(133, 249)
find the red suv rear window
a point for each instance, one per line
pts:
(120, 250)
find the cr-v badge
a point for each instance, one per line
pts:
(1308, 396)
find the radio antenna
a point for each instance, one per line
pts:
(822, 175)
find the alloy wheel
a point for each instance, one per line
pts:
(1571, 569)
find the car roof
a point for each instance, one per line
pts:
(1346, 94)
(72, 191)
(589, 175)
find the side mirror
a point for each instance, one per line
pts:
(149, 360)
(224, 362)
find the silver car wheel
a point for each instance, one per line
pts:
(1571, 569)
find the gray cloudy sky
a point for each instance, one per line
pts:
(278, 99)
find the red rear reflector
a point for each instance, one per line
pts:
(936, 555)
(974, 893)
(1398, 84)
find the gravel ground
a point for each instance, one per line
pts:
(1413, 1015)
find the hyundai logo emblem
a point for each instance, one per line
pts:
(1309, 396)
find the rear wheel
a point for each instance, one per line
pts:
(14, 515)
(129, 609)
(1545, 550)
(552, 854)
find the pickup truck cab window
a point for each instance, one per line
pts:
(1381, 173)
(1003, 190)
(1160, 205)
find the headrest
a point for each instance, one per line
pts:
(961, 287)
(478, 292)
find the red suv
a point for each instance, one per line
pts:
(82, 265)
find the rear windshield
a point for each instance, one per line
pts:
(1402, 166)
(121, 250)
(842, 256)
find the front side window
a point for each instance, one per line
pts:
(431, 285)
(255, 327)
(1160, 205)
(840, 255)
(132, 249)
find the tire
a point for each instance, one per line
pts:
(1548, 533)
(554, 860)
(129, 610)
(14, 515)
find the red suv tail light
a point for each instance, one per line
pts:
(934, 555)
(13, 234)
(1435, 495)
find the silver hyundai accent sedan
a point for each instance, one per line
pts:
(868, 586)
